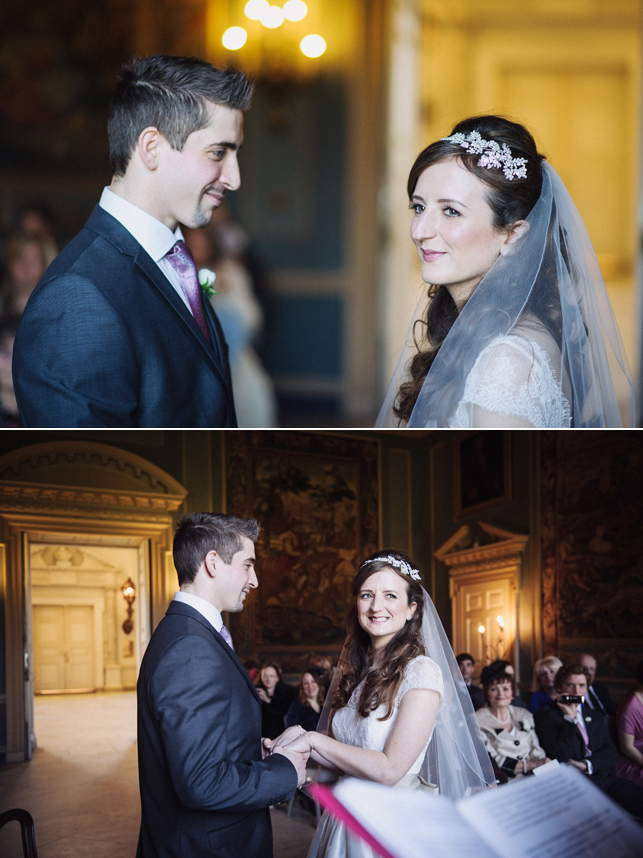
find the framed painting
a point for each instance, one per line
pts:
(481, 471)
(316, 497)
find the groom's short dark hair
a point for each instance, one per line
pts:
(200, 532)
(171, 94)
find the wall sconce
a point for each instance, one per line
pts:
(129, 594)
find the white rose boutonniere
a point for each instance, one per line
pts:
(206, 282)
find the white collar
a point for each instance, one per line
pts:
(153, 236)
(205, 608)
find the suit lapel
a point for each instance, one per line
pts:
(103, 223)
(176, 607)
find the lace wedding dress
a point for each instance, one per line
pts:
(332, 840)
(513, 383)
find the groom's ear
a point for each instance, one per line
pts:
(148, 147)
(210, 562)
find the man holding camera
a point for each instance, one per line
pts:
(578, 736)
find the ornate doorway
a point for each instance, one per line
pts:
(84, 494)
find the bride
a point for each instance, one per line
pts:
(400, 713)
(519, 331)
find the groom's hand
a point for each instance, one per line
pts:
(298, 761)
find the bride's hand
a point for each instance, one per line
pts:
(285, 738)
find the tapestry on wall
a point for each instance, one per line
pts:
(592, 549)
(317, 499)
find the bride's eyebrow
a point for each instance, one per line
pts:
(456, 202)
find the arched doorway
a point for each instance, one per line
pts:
(70, 496)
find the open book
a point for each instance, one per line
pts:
(560, 814)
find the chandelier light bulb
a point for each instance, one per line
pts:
(501, 622)
(272, 17)
(256, 8)
(481, 629)
(312, 46)
(234, 38)
(295, 10)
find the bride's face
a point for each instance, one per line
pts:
(383, 606)
(452, 228)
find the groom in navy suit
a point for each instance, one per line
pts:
(205, 788)
(117, 333)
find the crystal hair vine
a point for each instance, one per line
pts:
(402, 565)
(492, 154)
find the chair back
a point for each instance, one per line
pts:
(26, 829)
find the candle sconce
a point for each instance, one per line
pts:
(129, 594)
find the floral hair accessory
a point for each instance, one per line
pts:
(492, 154)
(206, 282)
(402, 565)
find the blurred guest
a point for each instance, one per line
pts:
(276, 697)
(307, 708)
(629, 723)
(577, 735)
(219, 249)
(598, 695)
(25, 265)
(466, 664)
(252, 669)
(497, 668)
(36, 221)
(9, 416)
(543, 683)
(322, 667)
(508, 730)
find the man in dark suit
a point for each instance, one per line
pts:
(467, 667)
(117, 332)
(205, 788)
(578, 736)
(598, 694)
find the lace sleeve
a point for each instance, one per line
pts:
(512, 381)
(422, 672)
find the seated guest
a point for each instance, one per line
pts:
(306, 710)
(276, 697)
(467, 666)
(497, 668)
(545, 672)
(598, 695)
(629, 723)
(508, 730)
(578, 736)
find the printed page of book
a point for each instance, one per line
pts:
(411, 823)
(560, 814)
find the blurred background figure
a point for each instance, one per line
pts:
(545, 671)
(9, 417)
(466, 663)
(306, 709)
(220, 248)
(629, 723)
(276, 697)
(36, 221)
(25, 263)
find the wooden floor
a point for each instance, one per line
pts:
(81, 787)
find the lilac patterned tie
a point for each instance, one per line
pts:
(180, 258)
(227, 637)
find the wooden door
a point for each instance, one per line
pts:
(480, 604)
(63, 648)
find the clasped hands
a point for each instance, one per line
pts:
(292, 744)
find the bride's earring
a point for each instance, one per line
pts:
(505, 251)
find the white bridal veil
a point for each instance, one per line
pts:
(456, 759)
(586, 354)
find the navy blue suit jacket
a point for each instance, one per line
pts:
(106, 341)
(204, 788)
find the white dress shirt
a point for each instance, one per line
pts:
(153, 236)
(206, 609)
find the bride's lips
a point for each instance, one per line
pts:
(432, 255)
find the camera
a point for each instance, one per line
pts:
(571, 698)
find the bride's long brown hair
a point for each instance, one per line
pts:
(382, 683)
